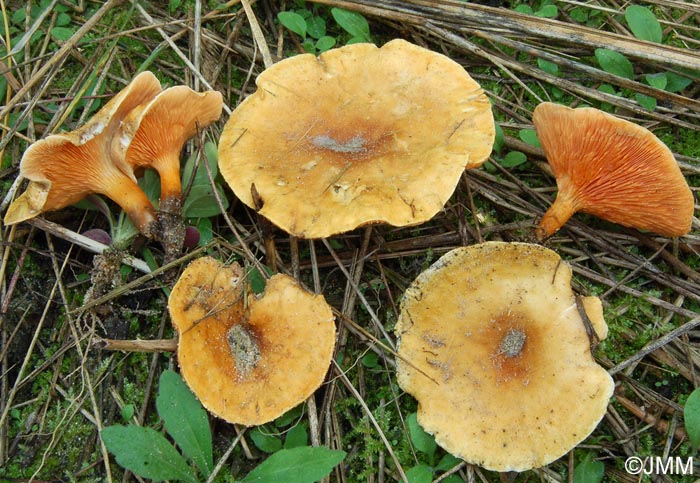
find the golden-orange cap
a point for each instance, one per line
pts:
(249, 358)
(357, 135)
(495, 350)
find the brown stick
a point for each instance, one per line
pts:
(658, 424)
(158, 345)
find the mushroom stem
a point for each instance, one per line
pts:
(557, 215)
(131, 198)
(168, 167)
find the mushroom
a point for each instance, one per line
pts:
(613, 169)
(493, 346)
(357, 135)
(249, 359)
(64, 168)
(153, 135)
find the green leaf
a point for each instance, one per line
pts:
(448, 462)
(185, 420)
(293, 414)
(150, 184)
(676, 83)
(62, 33)
(643, 23)
(452, 479)
(296, 437)
(205, 231)
(607, 89)
(353, 23)
(548, 67)
(647, 102)
(499, 140)
(424, 442)
(589, 470)
(265, 442)
(325, 43)
(150, 259)
(657, 81)
(127, 412)
(201, 202)
(548, 11)
(316, 27)
(691, 415)
(579, 14)
(257, 281)
(529, 136)
(309, 46)
(299, 465)
(199, 170)
(370, 360)
(614, 63)
(513, 159)
(420, 474)
(146, 453)
(294, 22)
(524, 8)
(63, 19)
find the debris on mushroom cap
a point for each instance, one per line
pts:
(493, 347)
(153, 135)
(248, 365)
(613, 169)
(64, 168)
(357, 135)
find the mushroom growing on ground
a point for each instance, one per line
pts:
(494, 348)
(613, 169)
(249, 359)
(153, 135)
(357, 135)
(64, 168)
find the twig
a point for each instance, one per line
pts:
(657, 344)
(58, 56)
(85, 242)
(257, 33)
(137, 345)
(346, 382)
(641, 413)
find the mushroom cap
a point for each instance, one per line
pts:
(63, 168)
(357, 135)
(152, 135)
(249, 365)
(508, 381)
(613, 169)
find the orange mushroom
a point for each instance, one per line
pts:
(64, 168)
(153, 135)
(613, 169)
(357, 135)
(249, 363)
(492, 344)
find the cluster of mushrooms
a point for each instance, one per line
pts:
(383, 135)
(143, 126)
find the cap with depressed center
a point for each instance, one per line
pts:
(358, 135)
(613, 169)
(249, 361)
(494, 349)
